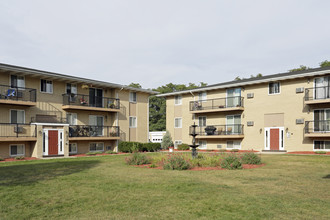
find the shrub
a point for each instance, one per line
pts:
(251, 158)
(153, 165)
(129, 147)
(231, 162)
(151, 147)
(176, 162)
(222, 150)
(19, 158)
(207, 160)
(1, 159)
(137, 159)
(234, 150)
(320, 152)
(167, 141)
(94, 152)
(183, 147)
(111, 152)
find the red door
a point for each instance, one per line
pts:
(274, 139)
(52, 142)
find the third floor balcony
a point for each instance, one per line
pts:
(229, 131)
(92, 103)
(17, 96)
(217, 105)
(317, 95)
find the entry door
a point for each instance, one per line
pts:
(233, 97)
(274, 138)
(322, 88)
(96, 97)
(53, 142)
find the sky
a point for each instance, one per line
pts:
(155, 42)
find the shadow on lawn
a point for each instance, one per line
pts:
(26, 174)
(327, 176)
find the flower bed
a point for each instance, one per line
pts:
(86, 155)
(308, 152)
(13, 159)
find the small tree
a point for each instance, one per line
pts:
(325, 63)
(167, 141)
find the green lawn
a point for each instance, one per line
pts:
(288, 187)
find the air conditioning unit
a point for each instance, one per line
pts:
(250, 95)
(219, 146)
(300, 90)
(300, 121)
(18, 129)
(250, 123)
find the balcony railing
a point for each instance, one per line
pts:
(220, 103)
(17, 130)
(18, 93)
(93, 101)
(230, 129)
(317, 126)
(48, 119)
(317, 93)
(93, 131)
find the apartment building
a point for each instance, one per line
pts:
(281, 112)
(45, 114)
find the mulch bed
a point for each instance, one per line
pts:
(86, 155)
(307, 152)
(13, 159)
(245, 166)
(215, 151)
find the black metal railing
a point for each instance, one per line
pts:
(18, 93)
(317, 93)
(230, 129)
(17, 130)
(94, 101)
(322, 126)
(229, 102)
(48, 119)
(93, 131)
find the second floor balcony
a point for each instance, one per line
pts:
(317, 128)
(91, 132)
(17, 132)
(216, 105)
(317, 95)
(93, 103)
(229, 131)
(18, 96)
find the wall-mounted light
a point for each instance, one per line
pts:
(286, 130)
(260, 130)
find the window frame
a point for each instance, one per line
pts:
(177, 143)
(95, 146)
(201, 99)
(19, 87)
(46, 86)
(129, 122)
(240, 143)
(175, 122)
(15, 155)
(21, 110)
(131, 99)
(200, 143)
(73, 152)
(178, 100)
(199, 118)
(279, 88)
(320, 145)
(76, 119)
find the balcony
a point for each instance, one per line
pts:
(85, 102)
(18, 96)
(18, 132)
(317, 129)
(317, 95)
(90, 132)
(48, 118)
(217, 105)
(230, 131)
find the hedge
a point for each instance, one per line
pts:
(129, 147)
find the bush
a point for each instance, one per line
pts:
(94, 152)
(222, 150)
(183, 147)
(130, 147)
(167, 141)
(111, 152)
(231, 162)
(176, 162)
(1, 159)
(19, 158)
(207, 160)
(251, 158)
(320, 152)
(138, 159)
(151, 147)
(234, 150)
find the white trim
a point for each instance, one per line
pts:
(16, 110)
(279, 83)
(130, 100)
(320, 149)
(16, 155)
(181, 122)
(59, 152)
(267, 142)
(95, 147)
(129, 124)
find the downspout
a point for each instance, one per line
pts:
(148, 119)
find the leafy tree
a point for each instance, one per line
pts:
(135, 85)
(238, 78)
(167, 141)
(325, 63)
(252, 76)
(300, 68)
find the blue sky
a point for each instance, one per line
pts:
(156, 42)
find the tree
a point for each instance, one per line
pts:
(252, 76)
(135, 85)
(167, 141)
(300, 68)
(325, 63)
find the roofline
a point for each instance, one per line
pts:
(264, 79)
(26, 70)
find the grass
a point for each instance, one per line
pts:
(288, 187)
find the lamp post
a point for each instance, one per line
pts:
(193, 146)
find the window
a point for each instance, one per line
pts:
(202, 145)
(322, 145)
(72, 118)
(274, 88)
(132, 122)
(17, 116)
(177, 143)
(17, 150)
(233, 145)
(96, 122)
(178, 122)
(96, 147)
(73, 149)
(202, 121)
(46, 86)
(132, 96)
(17, 81)
(233, 97)
(71, 88)
(178, 100)
(202, 96)
(233, 124)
